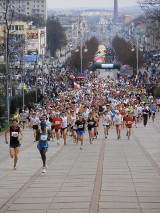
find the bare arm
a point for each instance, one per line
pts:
(6, 132)
(22, 136)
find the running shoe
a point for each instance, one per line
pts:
(81, 148)
(43, 170)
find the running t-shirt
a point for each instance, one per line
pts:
(35, 121)
(91, 122)
(129, 121)
(106, 119)
(118, 119)
(64, 122)
(57, 121)
(80, 125)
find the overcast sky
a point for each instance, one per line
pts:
(88, 3)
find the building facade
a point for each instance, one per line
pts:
(26, 7)
(24, 35)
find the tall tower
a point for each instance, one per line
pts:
(115, 19)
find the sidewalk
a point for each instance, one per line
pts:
(109, 176)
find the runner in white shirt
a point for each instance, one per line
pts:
(118, 122)
(35, 123)
(106, 120)
(139, 108)
(64, 126)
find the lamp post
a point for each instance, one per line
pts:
(138, 48)
(7, 74)
(81, 52)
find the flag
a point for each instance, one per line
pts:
(76, 86)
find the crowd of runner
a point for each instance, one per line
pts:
(73, 113)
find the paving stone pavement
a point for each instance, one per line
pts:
(108, 176)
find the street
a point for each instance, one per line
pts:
(108, 176)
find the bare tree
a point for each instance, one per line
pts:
(56, 38)
(124, 54)
(74, 61)
(7, 16)
(152, 12)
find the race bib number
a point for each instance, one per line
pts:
(129, 122)
(91, 123)
(15, 134)
(80, 126)
(43, 137)
(57, 122)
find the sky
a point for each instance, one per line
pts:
(88, 3)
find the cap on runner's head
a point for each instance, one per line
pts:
(117, 111)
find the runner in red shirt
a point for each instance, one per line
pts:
(57, 122)
(129, 121)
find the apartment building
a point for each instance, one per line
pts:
(34, 39)
(27, 7)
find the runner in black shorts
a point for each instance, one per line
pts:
(16, 136)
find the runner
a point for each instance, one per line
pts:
(34, 122)
(73, 119)
(129, 121)
(43, 136)
(81, 125)
(123, 113)
(91, 124)
(135, 116)
(16, 116)
(57, 122)
(153, 111)
(118, 122)
(106, 121)
(158, 103)
(64, 126)
(16, 136)
(23, 119)
(96, 119)
(145, 115)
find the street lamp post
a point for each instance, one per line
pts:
(81, 52)
(138, 48)
(7, 74)
(137, 55)
(81, 56)
(23, 82)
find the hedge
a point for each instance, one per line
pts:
(17, 101)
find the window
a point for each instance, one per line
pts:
(21, 27)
